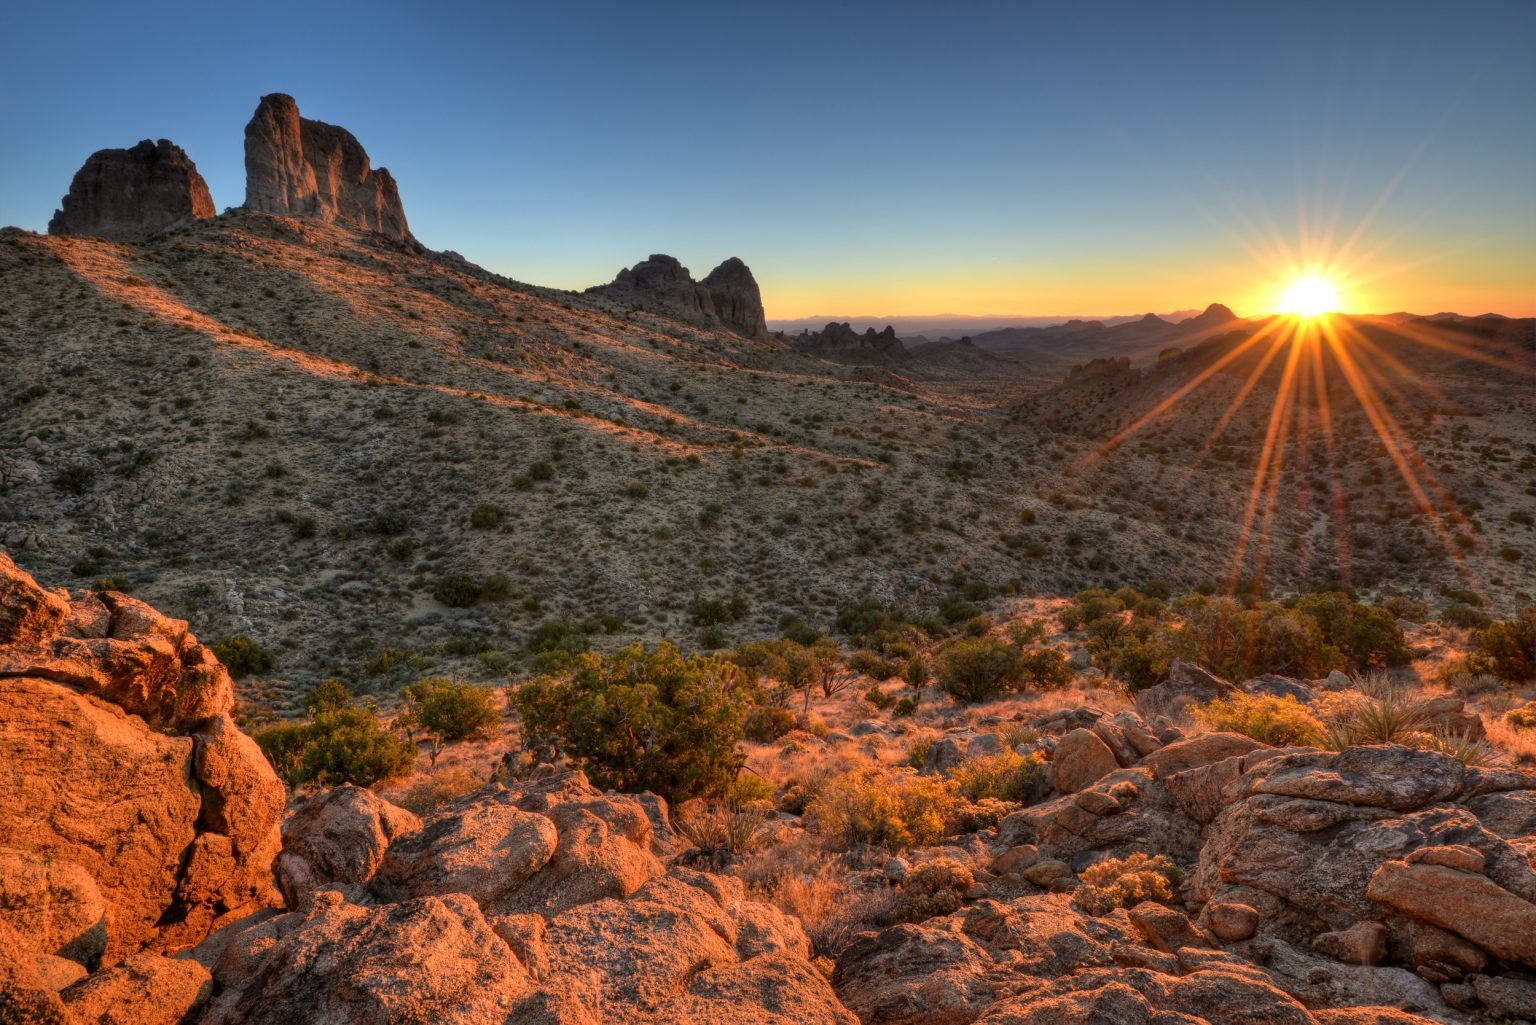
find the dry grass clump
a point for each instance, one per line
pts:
(1519, 743)
(427, 795)
(1126, 882)
(881, 807)
(801, 879)
(1277, 721)
(931, 889)
(1522, 717)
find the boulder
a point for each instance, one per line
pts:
(145, 989)
(126, 195)
(425, 961)
(485, 848)
(1187, 685)
(296, 167)
(1081, 759)
(1205, 749)
(146, 819)
(1468, 904)
(337, 839)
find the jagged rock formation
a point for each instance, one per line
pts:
(727, 297)
(128, 194)
(736, 299)
(298, 167)
(840, 342)
(133, 813)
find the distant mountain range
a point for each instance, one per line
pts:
(948, 325)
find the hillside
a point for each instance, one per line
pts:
(284, 428)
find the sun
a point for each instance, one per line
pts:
(1310, 296)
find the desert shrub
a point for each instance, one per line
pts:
(1043, 667)
(904, 708)
(879, 698)
(977, 668)
(327, 696)
(1522, 717)
(642, 720)
(452, 710)
(871, 664)
(915, 673)
(436, 790)
(1240, 642)
(1473, 752)
(457, 590)
(714, 611)
(1087, 606)
(338, 745)
(1277, 721)
(486, 516)
(1363, 634)
(76, 478)
(283, 744)
(1464, 616)
(1125, 882)
(1004, 776)
(768, 723)
(556, 636)
(880, 807)
(1507, 648)
(1137, 654)
(805, 881)
(932, 888)
(243, 656)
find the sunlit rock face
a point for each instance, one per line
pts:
(129, 194)
(298, 167)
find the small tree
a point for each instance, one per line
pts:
(448, 711)
(642, 720)
(977, 668)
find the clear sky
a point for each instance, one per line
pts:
(863, 158)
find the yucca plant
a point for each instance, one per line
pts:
(1388, 717)
(1472, 752)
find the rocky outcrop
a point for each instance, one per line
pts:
(1322, 842)
(302, 168)
(728, 297)
(841, 343)
(544, 901)
(736, 299)
(1037, 959)
(129, 194)
(133, 814)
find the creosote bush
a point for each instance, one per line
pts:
(1276, 721)
(243, 656)
(449, 710)
(1125, 882)
(880, 807)
(1004, 776)
(339, 744)
(641, 720)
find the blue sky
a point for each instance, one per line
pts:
(862, 158)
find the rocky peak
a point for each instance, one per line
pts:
(737, 300)
(128, 194)
(298, 167)
(728, 297)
